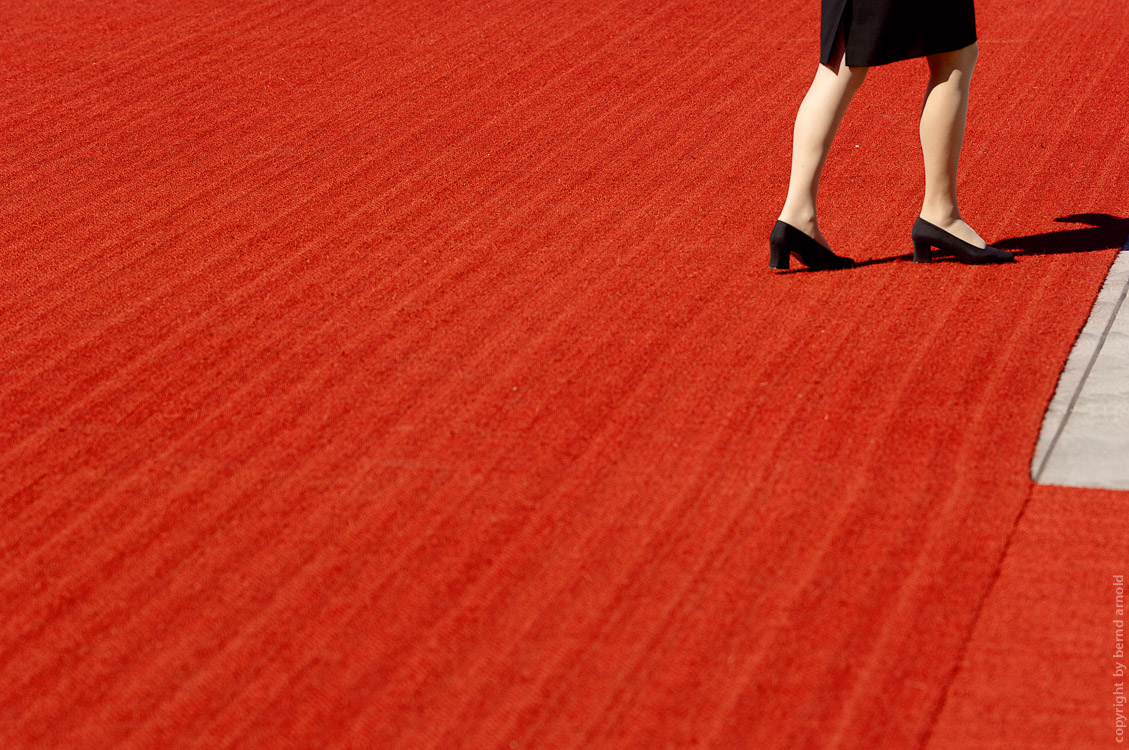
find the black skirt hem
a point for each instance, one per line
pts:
(910, 54)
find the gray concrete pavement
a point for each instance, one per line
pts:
(1084, 441)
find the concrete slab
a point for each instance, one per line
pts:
(1084, 441)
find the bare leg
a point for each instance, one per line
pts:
(817, 121)
(943, 116)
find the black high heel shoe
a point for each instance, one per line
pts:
(927, 236)
(787, 241)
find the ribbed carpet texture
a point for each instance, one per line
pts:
(410, 375)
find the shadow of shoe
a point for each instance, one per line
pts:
(887, 259)
(1105, 232)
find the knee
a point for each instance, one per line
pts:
(944, 66)
(971, 53)
(854, 77)
(839, 78)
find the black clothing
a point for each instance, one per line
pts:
(885, 31)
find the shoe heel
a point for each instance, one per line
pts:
(778, 257)
(922, 252)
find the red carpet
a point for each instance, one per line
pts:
(1039, 671)
(409, 375)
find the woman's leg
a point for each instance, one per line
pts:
(942, 132)
(816, 124)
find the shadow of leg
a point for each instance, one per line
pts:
(1105, 232)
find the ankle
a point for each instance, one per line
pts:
(942, 216)
(803, 220)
